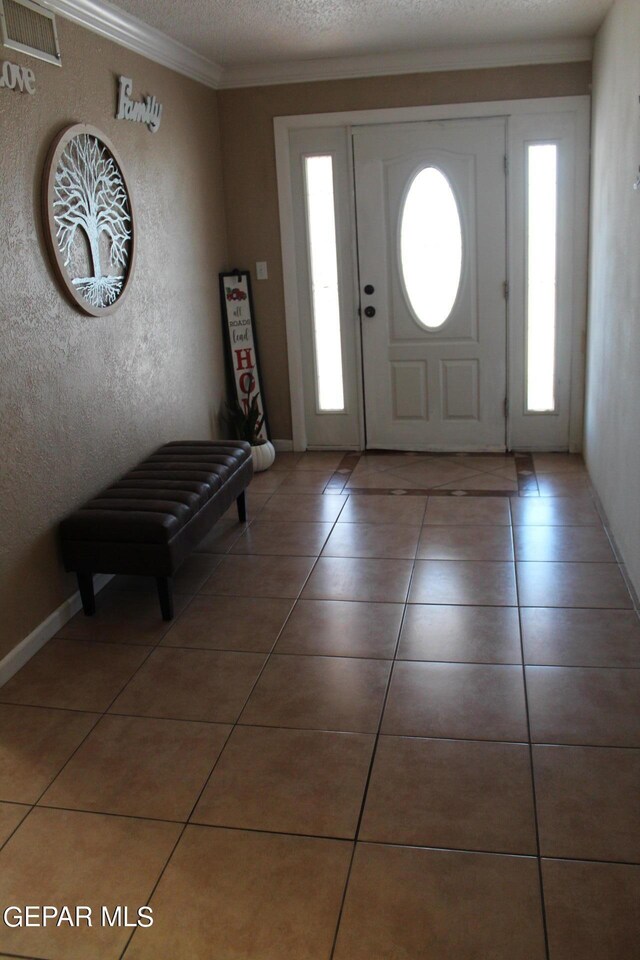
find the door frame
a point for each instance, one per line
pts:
(577, 110)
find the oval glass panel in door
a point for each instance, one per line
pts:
(430, 247)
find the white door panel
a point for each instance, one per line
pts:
(433, 388)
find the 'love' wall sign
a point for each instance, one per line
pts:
(13, 77)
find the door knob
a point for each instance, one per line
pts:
(369, 289)
(369, 311)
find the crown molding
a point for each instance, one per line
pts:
(129, 32)
(478, 56)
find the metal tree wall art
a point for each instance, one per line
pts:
(89, 219)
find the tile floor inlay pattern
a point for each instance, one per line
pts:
(397, 715)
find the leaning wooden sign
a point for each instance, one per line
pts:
(242, 349)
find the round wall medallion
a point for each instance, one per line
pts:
(88, 219)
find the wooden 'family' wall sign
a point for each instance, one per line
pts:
(147, 111)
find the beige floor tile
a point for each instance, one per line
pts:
(478, 511)
(247, 896)
(193, 572)
(465, 543)
(456, 700)
(502, 465)
(587, 801)
(305, 481)
(554, 511)
(285, 460)
(284, 538)
(11, 814)
(576, 705)
(558, 463)
(267, 481)
(372, 508)
(371, 462)
(34, 745)
(319, 693)
(381, 480)
(65, 857)
(229, 623)
(342, 628)
(185, 582)
(254, 503)
(138, 767)
(259, 577)
(586, 544)
(580, 638)
(304, 507)
(124, 614)
(318, 460)
(592, 910)
(346, 578)
(563, 484)
(451, 793)
(433, 473)
(75, 675)
(223, 536)
(571, 585)
(288, 781)
(380, 540)
(475, 582)
(507, 471)
(417, 904)
(191, 685)
(483, 481)
(461, 634)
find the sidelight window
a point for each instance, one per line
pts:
(542, 235)
(325, 295)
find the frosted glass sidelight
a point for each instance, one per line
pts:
(431, 247)
(542, 202)
(323, 264)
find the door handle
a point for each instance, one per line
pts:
(369, 311)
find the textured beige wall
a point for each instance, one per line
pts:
(246, 118)
(83, 399)
(612, 431)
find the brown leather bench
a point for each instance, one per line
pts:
(149, 521)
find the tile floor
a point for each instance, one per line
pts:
(381, 727)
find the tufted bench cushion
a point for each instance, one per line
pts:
(149, 521)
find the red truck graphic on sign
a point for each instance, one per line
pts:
(233, 293)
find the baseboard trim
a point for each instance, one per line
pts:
(631, 587)
(26, 649)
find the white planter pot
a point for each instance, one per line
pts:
(263, 456)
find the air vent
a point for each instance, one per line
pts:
(28, 27)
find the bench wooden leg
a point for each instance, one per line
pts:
(165, 597)
(85, 585)
(242, 507)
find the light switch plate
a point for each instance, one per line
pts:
(261, 270)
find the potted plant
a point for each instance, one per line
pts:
(246, 422)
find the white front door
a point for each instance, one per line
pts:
(431, 227)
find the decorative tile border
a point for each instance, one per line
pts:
(525, 473)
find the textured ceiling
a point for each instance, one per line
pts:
(234, 32)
